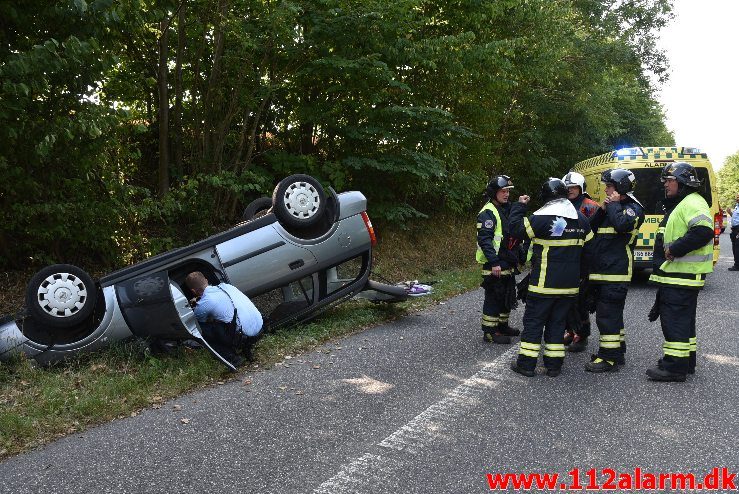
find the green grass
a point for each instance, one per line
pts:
(38, 405)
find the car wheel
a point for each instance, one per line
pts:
(61, 295)
(299, 201)
(257, 208)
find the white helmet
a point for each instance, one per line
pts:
(572, 179)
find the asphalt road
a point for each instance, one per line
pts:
(420, 405)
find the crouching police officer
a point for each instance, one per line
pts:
(576, 336)
(494, 252)
(616, 226)
(557, 232)
(683, 255)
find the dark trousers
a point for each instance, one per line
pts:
(609, 316)
(494, 308)
(734, 236)
(219, 338)
(547, 316)
(677, 308)
(582, 310)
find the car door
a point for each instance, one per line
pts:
(155, 307)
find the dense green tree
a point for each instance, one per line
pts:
(728, 181)
(120, 122)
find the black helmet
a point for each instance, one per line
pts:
(683, 172)
(497, 183)
(552, 189)
(623, 180)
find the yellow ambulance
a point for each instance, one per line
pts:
(646, 163)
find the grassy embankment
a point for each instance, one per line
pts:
(38, 405)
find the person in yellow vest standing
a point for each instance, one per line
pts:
(683, 255)
(496, 253)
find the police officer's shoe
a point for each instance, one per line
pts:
(579, 344)
(237, 361)
(734, 268)
(524, 372)
(599, 365)
(553, 372)
(657, 374)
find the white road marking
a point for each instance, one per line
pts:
(421, 431)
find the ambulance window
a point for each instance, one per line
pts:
(649, 189)
(650, 192)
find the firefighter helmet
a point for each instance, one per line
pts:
(497, 183)
(622, 180)
(683, 172)
(553, 188)
(573, 179)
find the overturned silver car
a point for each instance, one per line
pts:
(294, 255)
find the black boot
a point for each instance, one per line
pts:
(521, 370)
(658, 374)
(247, 346)
(620, 360)
(553, 372)
(579, 344)
(691, 370)
(496, 337)
(505, 329)
(599, 365)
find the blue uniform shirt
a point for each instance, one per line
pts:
(215, 304)
(735, 217)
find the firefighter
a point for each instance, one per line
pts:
(495, 252)
(683, 255)
(578, 330)
(557, 232)
(616, 226)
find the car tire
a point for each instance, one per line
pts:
(257, 208)
(299, 201)
(61, 295)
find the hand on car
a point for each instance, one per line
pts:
(524, 199)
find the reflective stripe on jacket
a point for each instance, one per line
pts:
(556, 246)
(489, 234)
(690, 269)
(615, 232)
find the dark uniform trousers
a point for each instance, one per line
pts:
(546, 315)
(677, 308)
(734, 236)
(609, 316)
(217, 335)
(582, 310)
(495, 309)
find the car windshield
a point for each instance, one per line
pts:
(650, 192)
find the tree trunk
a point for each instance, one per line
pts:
(211, 115)
(181, 38)
(163, 183)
